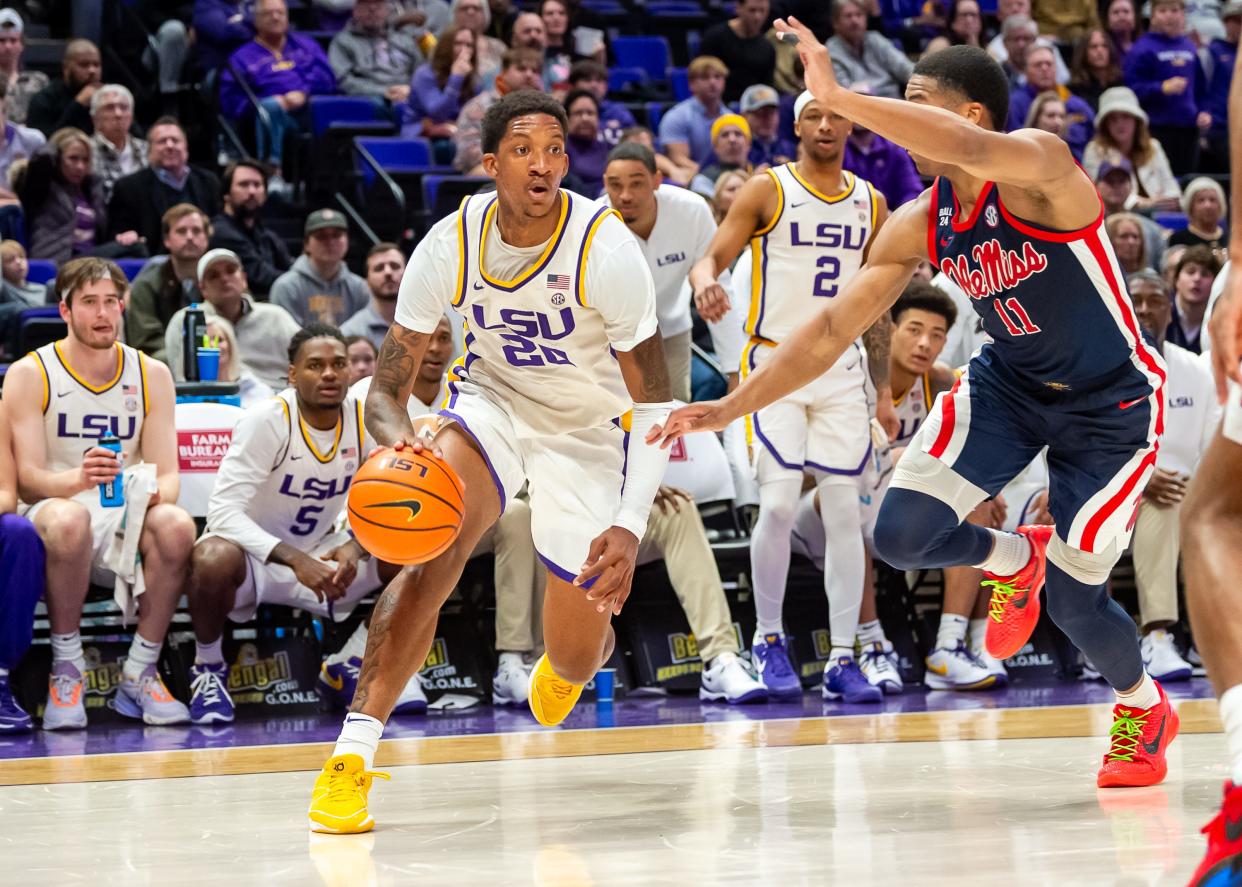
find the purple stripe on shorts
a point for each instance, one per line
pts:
(561, 573)
(500, 489)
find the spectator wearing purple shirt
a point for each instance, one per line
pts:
(1164, 71)
(1041, 76)
(588, 152)
(877, 160)
(441, 88)
(284, 69)
(17, 142)
(221, 27)
(761, 106)
(614, 117)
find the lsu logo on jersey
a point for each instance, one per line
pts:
(95, 426)
(999, 269)
(526, 334)
(828, 235)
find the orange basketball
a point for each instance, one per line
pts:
(404, 507)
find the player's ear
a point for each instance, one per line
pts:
(974, 112)
(489, 165)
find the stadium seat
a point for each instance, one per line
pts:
(621, 78)
(649, 53)
(655, 110)
(132, 267)
(1172, 221)
(39, 326)
(329, 109)
(41, 271)
(680, 82)
(392, 154)
(443, 194)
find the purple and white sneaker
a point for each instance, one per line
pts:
(210, 702)
(338, 679)
(149, 700)
(845, 680)
(773, 667)
(13, 718)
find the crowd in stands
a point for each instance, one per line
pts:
(1137, 91)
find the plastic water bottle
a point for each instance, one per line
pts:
(112, 493)
(194, 327)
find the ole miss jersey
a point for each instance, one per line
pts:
(1054, 302)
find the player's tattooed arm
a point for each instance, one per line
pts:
(645, 372)
(878, 342)
(387, 418)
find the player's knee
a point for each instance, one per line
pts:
(216, 565)
(909, 528)
(65, 527)
(172, 531)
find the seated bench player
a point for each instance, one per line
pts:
(270, 536)
(60, 399)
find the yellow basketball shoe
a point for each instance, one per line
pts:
(339, 798)
(551, 697)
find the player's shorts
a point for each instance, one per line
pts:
(575, 478)
(1231, 423)
(822, 427)
(105, 524)
(1101, 452)
(268, 583)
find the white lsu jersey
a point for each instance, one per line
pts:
(76, 414)
(912, 408)
(809, 250)
(283, 481)
(541, 343)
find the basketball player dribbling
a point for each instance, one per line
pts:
(1016, 223)
(561, 344)
(1212, 539)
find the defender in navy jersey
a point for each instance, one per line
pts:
(1016, 223)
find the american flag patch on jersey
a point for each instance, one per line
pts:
(129, 389)
(558, 281)
(348, 453)
(860, 203)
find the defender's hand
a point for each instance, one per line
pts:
(707, 415)
(610, 562)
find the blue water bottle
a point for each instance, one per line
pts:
(112, 493)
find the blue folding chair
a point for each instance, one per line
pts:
(41, 271)
(649, 53)
(1171, 220)
(132, 267)
(655, 110)
(620, 78)
(393, 154)
(442, 194)
(679, 80)
(328, 109)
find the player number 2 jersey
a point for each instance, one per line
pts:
(76, 414)
(808, 251)
(541, 343)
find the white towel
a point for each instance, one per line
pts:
(122, 556)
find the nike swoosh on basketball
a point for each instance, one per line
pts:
(1154, 747)
(1233, 829)
(1126, 404)
(413, 504)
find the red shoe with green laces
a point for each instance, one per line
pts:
(1013, 610)
(1139, 738)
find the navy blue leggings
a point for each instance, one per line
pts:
(21, 566)
(915, 531)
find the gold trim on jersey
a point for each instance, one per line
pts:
(146, 389)
(120, 368)
(927, 392)
(836, 198)
(522, 278)
(47, 382)
(310, 443)
(756, 285)
(580, 283)
(875, 204)
(361, 433)
(780, 205)
(459, 297)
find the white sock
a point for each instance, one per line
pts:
(513, 660)
(978, 631)
(840, 651)
(68, 648)
(209, 654)
(355, 647)
(142, 653)
(1231, 717)
(360, 735)
(770, 543)
(1145, 695)
(952, 631)
(871, 633)
(1010, 552)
